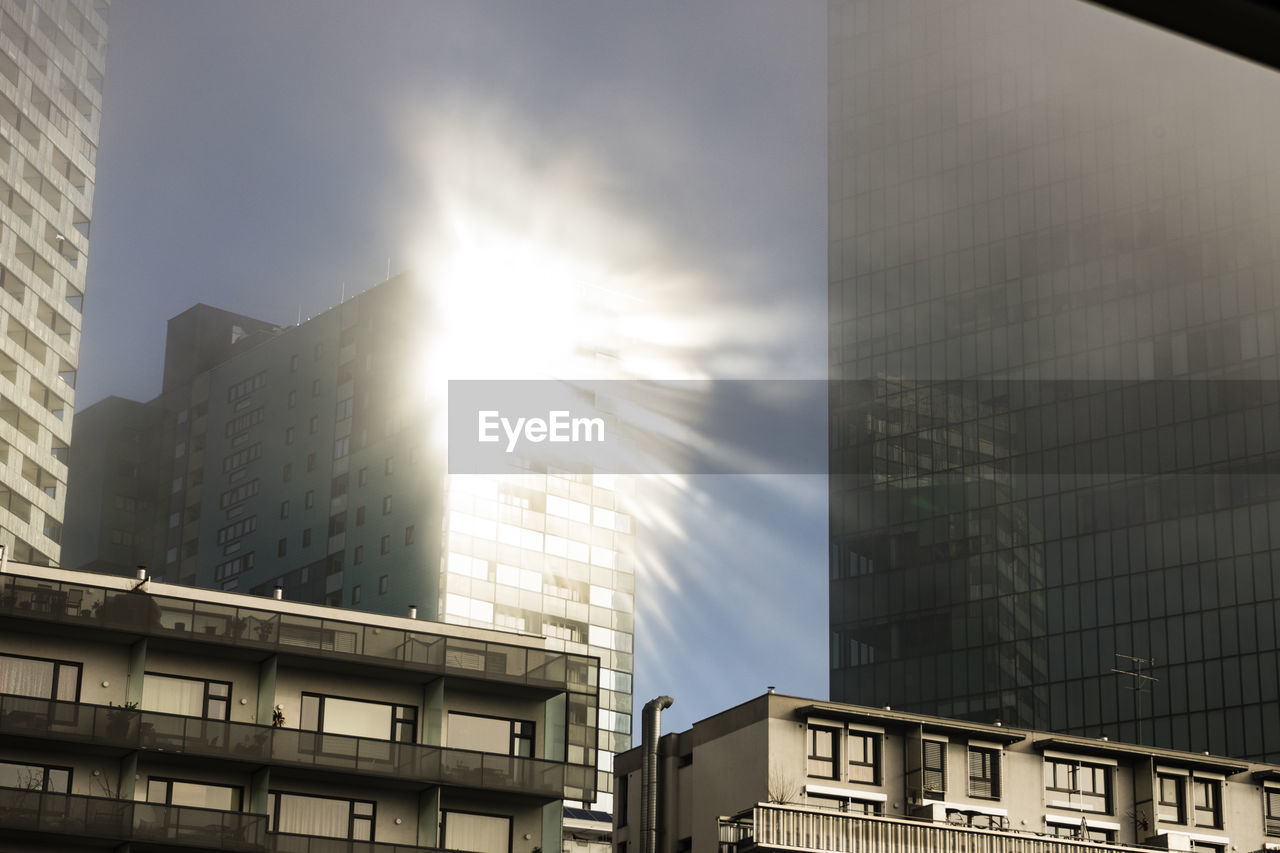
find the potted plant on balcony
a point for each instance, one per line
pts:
(119, 718)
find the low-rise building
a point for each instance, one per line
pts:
(787, 773)
(162, 717)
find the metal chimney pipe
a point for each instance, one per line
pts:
(142, 573)
(650, 731)
(413, 611)
(278, 593)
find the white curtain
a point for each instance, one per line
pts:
(170, 695)
(26, 677)
(314, 816)
(483, 734)
(479, 833)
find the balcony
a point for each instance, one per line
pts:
(149, 731)
(42, 814)
(105, 822)
(290, 633)
(794, 828)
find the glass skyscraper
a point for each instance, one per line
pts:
(1054, 405)
(51, 76)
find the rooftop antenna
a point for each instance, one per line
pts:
(388, 267)
(343, 297)
(299, 314)
(1139, 679)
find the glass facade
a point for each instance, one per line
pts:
(550, 554)
(1053, 345)
(52, 55)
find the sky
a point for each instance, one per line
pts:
(268, 158)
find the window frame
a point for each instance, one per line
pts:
(44, 781)
(939, 770)
(992, 764)
(57, 675)
(1178, 804)
(404, 718)
(812, 754)
(204, 708)
(871, 743)
(168, 781)
(1074, 767)
(514, 736)
(444, 824)
(1214, 808)
(273, 813)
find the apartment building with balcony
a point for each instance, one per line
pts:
(160, 717)
(787, 773)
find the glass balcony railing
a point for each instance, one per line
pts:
(40, 814)
(22, 716)
(158, 615)
(797, 828)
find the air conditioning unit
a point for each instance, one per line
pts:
(1170, 841)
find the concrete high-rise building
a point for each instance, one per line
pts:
(306, 458)
(1053, 290)
(51, 69)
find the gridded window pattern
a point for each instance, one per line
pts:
(1271, 809)
(1080, 785)
(40, 678)
(1171, 798)
(984, 772)
(823, 752)
(358, 718)
(985, 228)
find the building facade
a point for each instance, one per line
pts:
(306, 458)
(787, 773)
(161, 717)
(51, 81)
(1054, 362)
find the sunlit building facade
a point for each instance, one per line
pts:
(1056, 224)
(150, 716)
(51, 83)
(307, 458)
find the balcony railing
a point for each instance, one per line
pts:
(159, 615)
(152, 731)
(795, 828)
(39, 813)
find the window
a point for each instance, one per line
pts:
(844, 804)
(358, 718)
(309, 499)
(190, 697)
(1171, 804)
(362, 477)
(386, 505)
(306, 537)
(293, 364)
(1206, 847)
(388, 467)
(864, 757)
(384, 583)
(286, 473)
(822, 752)
(315, 388)
(313, 426)
(292, 399)
(355, 594)
(1271, 810)
(384, 545)
(284, 509)
(341, 447)
(498, 735)
(331, 817)
(359, 516)
(1078, 784)
(311, 462)
(935, 766)
(282, 547)
(35, 777)
(178, 792)
(984, 773)
(479, 833)
(357, 555)
(39, 678)
(288, 435)
(408, 535)
(1082, 831)
(1206, 800)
